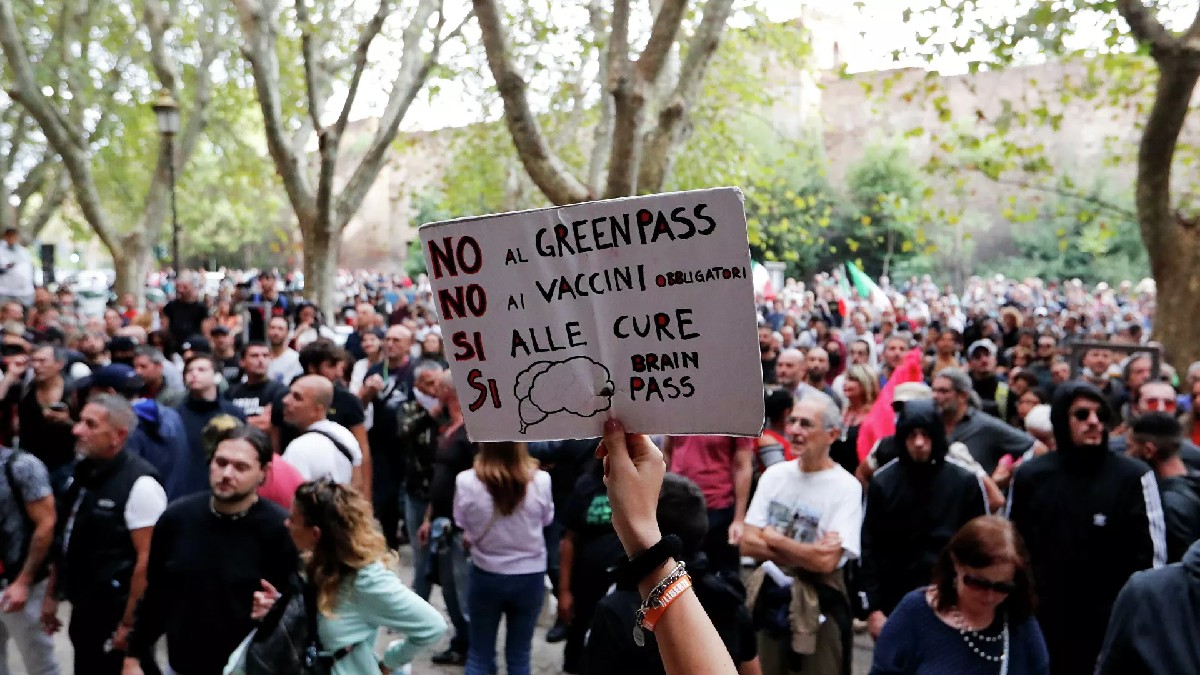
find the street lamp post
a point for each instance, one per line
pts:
(167, 112)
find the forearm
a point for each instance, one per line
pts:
(39, 548)
(687, 641)
(741, 489)
(566, 561)
(360, 434)
(137, 588)
(805, 556)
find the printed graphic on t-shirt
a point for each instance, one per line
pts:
(800, 522)
(599, 511)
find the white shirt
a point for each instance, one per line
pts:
(285, 367)
(315, 456)
(806, 505)
(16, 281)
(147, 501)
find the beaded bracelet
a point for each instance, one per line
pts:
(655, 604)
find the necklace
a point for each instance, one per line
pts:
(975, 640)
(212, 506)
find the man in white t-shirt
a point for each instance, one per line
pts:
(325, 449)
(101, 564)
(804, 521)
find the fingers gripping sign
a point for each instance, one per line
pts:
(633, 471)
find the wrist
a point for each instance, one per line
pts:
(640, 540)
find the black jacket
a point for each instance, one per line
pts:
(912, 511)
(1090, 519)
(1155, 629)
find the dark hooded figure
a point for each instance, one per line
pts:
(915, 504)
(1090, 518)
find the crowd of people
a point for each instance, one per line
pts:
(972, 478)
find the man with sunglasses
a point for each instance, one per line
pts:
(1156, 396)
(1090, 518)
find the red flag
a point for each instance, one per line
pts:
(881, 421)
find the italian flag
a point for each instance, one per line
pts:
(868, 289)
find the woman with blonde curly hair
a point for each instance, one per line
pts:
(347, 560)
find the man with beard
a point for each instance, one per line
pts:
(981, 365)
(225, 355)
(1090, 518)
(201, 406)
(210, 553)
(816, 368)
(92, 347)
(284, 365)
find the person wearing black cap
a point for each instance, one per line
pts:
(1090, 518)
(160, 437)
(915, 503)
(225, 355)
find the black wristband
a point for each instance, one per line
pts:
(636, 568)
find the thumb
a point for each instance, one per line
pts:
(615, 445)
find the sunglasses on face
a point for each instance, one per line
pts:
(1163, 404)
(1084, 414)
(981, 584)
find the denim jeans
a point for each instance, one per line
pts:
(454, 576)
(516, 597)
(414, 514)
(24, 630)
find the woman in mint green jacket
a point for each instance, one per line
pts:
(347, 560)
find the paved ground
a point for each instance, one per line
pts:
(547, 658)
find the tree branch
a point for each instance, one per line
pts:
(311, 64)
(662, 37)
(414, 70)
(552, 176)
(72, 149)
(257, 20)
(628, 100)
(602, 135)
(1145, 26)
(359, 59)
(51, 201)
(674, 126)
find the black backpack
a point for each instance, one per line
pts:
(287, 642)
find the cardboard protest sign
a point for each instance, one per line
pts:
(640, 308)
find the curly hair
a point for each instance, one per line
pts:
(350, 536)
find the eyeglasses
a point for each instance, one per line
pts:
(1085, 414)
(981, 584)
(1163, 404)
(801, 422)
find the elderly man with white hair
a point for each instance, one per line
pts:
(806, 517)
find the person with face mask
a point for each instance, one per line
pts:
(915, 503)
(1090, 518)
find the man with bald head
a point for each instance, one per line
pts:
(387, 388)
(790, 369)
(324, 449)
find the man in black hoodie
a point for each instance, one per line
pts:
(1156, 622)
(915, 504)
(1090, 519)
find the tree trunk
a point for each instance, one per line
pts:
(130, 261)
(1176, 270)
(321, 252)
